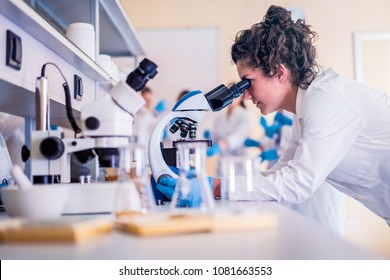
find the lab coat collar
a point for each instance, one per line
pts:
(298, 106)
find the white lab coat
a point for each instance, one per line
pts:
(341, 134)
(144, 123)
(5, 161)
(234, 128)
(325, 206)
(12, 129)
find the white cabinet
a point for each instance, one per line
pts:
(41, 29)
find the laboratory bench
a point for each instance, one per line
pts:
(294, 238)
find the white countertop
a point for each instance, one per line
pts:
(295, 237)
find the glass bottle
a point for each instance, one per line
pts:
(193, 190)
(134, 193)
(238, 175)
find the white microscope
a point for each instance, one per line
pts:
(185, 116)
(106, 126)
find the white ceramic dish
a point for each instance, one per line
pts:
(38, 202)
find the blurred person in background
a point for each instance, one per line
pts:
(229, 130)
(12, 129)
(147, 117)
(168, 136)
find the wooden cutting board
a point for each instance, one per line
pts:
(65, 229)
(155, 224)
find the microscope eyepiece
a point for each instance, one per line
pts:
(222, 96)
(240, 87)
(142, 74)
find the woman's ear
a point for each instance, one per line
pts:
(282, 72)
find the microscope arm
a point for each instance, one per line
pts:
(193, 106)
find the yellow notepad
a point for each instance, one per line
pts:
(66, 229)
(155, 224)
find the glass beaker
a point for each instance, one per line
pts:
(193, 188)
(135, 192)
(238, 175)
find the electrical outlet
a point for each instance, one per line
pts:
(78, 87)
(14, 50)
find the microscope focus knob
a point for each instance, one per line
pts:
(52, 147)
(25, 153)
(92, 123)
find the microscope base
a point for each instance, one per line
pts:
(94, 198)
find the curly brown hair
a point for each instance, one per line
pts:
(277, 40)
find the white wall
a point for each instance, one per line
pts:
(187, 59)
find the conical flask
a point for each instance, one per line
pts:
(193, 190)
(134, 193)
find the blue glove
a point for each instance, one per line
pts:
(249, 142)
(282, 119)
(191, 195)
(161, 107)
(263, 122)
(207, 134)
(270, 131)
(213, 150)
(167, 186)
(270, 154)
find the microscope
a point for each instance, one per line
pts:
(106, 126)
(185, 116)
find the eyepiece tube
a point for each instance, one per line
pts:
(222, 96)
(240, 87)
(142, 74)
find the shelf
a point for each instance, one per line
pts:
(49, 36)
(123, 42)
(42, 38)
(116, 34)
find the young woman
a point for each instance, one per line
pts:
(341, 128)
